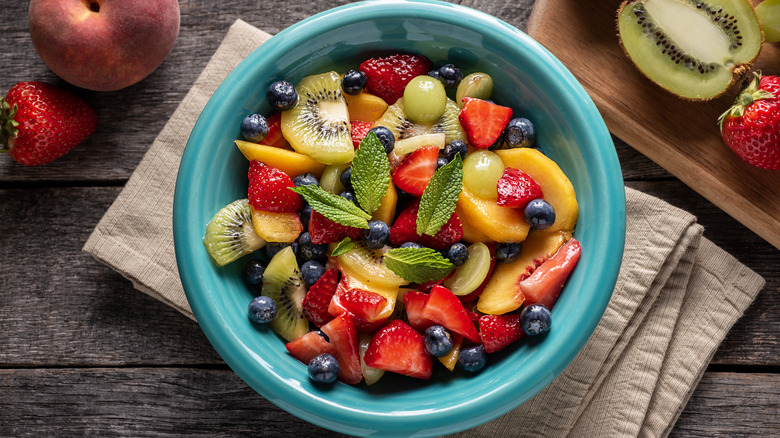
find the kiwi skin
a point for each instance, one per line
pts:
(728, 75)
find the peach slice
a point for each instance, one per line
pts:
(502, 293)
(557, 188)
(386, 210)
(290, 162)
(276, 227)
(501, 224)
(365, 107)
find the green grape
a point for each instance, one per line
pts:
(425, 100)
(330, 180)
(481, 172)
(478, 85)
(470, 275)
(768, 12)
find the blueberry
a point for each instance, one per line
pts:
(305, 215)
(539, 214)
(441, 161)
(346, 177)
(508, 252)
(353, 82)
(450, 75)
(310, 251)
(385, 136)
(520, 133)
(311, 271)
(254, 128)
(435, 73)
(455, 147)
(438, 341)
(274, 247)
(411, 245)
(377, 235)
(535, 319)
(472, 359)
(282, 95)
(324, 368)
(305, 179)
(349, 195)
(403, 196)
(262, 310)
(458, 253)
(253, 272)
(498, 143)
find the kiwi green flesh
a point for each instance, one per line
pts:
(396, 120)
(369, 266)
(283, 282)
(230, 234)
(691, 48)
(318, 125)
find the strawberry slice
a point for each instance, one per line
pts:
(483, 121)
(269, 189)
(404, 229)
(388, 76)
(317, 299)
(275, 137)
(415, 172)
(544, 285)
(398, 348)
(343, 335)
(516, 189)
(499, 331)
(364, 315)
(444, 308)
(414, 303)
(309, 346)
(324, 230)
(359, 131)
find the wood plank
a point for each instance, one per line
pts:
(682, 136)
(59, 307)
(215, 402)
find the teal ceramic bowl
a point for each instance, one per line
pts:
(528, 79)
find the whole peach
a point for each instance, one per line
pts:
(103, 45)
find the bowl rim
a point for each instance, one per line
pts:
(314, 407)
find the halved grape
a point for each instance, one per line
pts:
(481, 172)
(477, 85)
(470, 275)
(331, 178)
(425, 99)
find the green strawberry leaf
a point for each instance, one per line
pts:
(333, 207)
(370, 173)
(438, 200)
(418, 265)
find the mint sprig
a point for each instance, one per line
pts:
(370, 173)
(440, 196)
(333, 207)
(418, 265)
(346, 245)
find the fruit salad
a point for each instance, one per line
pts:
(396, 220)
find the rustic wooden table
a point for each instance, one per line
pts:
(84, 354)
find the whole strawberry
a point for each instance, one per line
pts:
(388, 76)
(40, 122)
(751, 127)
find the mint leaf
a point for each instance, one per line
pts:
(439, 198)
(346, 245)
(370, 173)
(333, 207)
(418, 265)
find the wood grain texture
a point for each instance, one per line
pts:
(682, 136)
(84, 354)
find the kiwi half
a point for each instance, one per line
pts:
(318, 125)
(230, 234)
(695, 49)
(396, 120)
(283, 282)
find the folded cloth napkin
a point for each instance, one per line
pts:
(676, 297)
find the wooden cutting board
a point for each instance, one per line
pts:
(681, 136)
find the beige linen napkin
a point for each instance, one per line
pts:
(676, 297)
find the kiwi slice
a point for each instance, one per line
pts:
(283, 282)
(230, 234)
(396, 120)
(318, 125)
(368, 266)
(695, 49)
